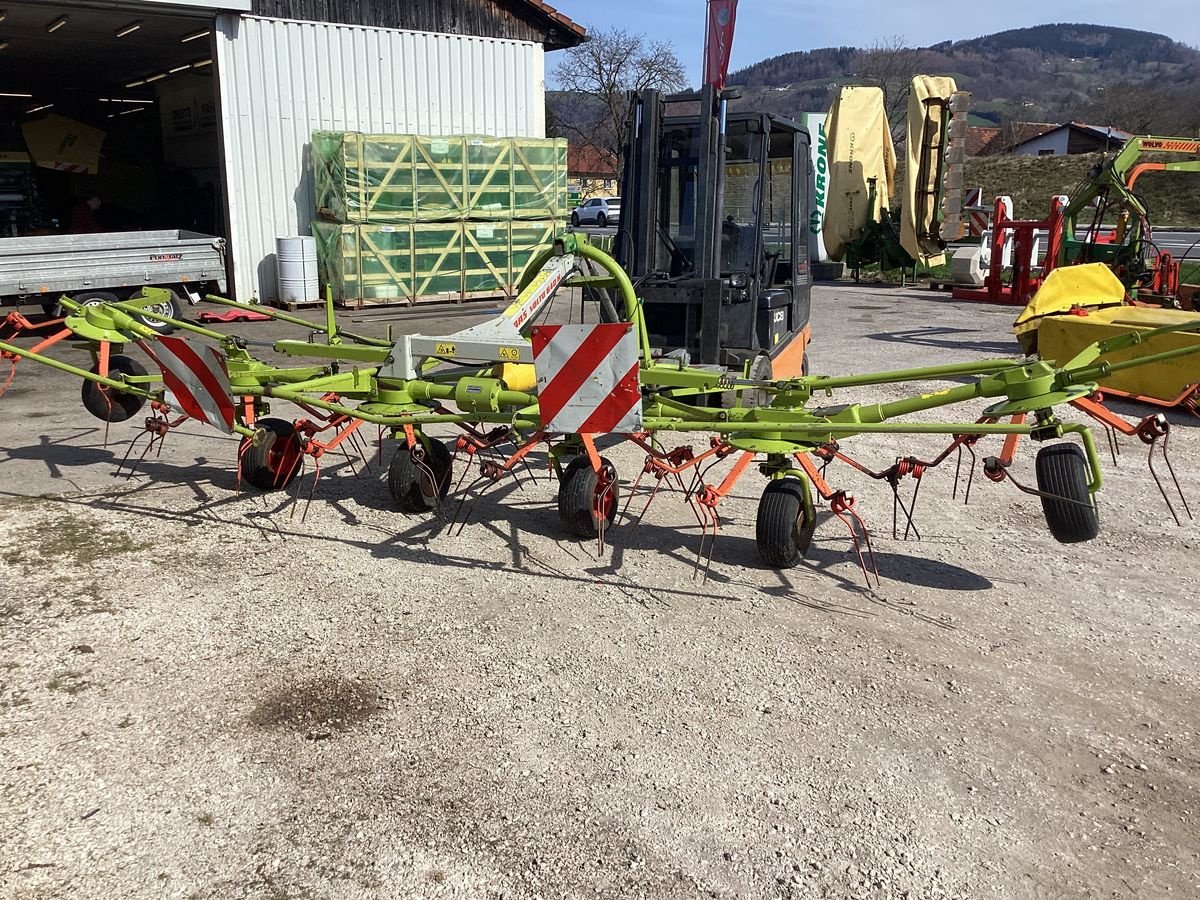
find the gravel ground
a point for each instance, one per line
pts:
(204, 695)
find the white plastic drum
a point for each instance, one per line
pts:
(296, 259)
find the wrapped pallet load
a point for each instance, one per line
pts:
(860, 149)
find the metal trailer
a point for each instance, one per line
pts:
(110, 266)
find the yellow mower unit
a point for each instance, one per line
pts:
(1079, 305)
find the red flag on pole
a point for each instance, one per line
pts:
(718, 41)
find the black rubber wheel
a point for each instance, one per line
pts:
(574, 220)
(586, 498)
(109, 404)
(170, 308)
(1062, 471)
(274, 462)
(783, 530)
(409, 481)
(601, 220)
(804, 363)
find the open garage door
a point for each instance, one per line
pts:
(108, 116)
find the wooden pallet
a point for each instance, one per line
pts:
(360, 303)
(941, 284)
(293, 305)
(407, 264)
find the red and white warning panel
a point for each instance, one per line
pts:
(196, 379)
(978, 214)
(587, 378)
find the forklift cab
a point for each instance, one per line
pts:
(714, 232)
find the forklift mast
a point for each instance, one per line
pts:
(714, 213)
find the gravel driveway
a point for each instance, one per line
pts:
(203, 695)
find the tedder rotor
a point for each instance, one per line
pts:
(521, 383)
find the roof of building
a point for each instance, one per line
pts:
(1107, 132)
(1104, 131)
(588, 159)
(978, 139)
(561, 30)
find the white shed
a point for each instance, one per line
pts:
(205, 107)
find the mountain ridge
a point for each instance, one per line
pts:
(1052, 72)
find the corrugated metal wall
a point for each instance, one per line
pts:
(281, 80)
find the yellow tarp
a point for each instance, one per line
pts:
(860, 148)
(1060, 338)
(919, 206)
(1091, 285)
(56, 142)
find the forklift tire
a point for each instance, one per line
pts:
(109, 404)
(1062, 471)
(410, 482)
(782, 530)
(169, 308)
(273, 463)
(585, 499)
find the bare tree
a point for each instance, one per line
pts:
(595, 77)
(891, 64)
(1145, 108)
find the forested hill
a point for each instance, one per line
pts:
(1045, 73)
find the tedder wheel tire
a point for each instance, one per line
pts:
(272, 464)
(581, 508)
(783, 530)
(1062, 470)
(601, 221)
(169, 308)
(409, 483)
(109, 404)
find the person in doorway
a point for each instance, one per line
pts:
(83, 216)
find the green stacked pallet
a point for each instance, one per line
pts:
(440, 179)
(381, 178)
(411, 217)
(438, 260)
(489, 178)
(487, 259)
(366, 262)
(539, 178)
(366, 178)
(524, 240)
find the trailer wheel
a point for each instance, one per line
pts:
(784, 528)
(110, 404)
(274, 462)
(586, 498)
(1071, 513)
(169, 307)
(410, 482)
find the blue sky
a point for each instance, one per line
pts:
(770, 27)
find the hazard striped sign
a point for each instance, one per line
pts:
(196, 378)
(977, 213)
(587, 378)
